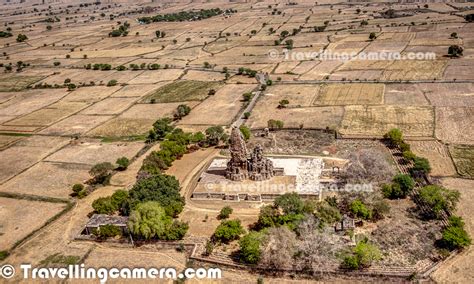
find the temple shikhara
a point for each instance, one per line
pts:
(241, 166)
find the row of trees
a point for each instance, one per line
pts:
(185, 16)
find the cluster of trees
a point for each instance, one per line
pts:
(152, 205)
(439, 199)
(400, 187)
(182, 111)
(185, 16)
(98, 66)
(20, 65)
(361, 256)
(292, 233)
(246, 71)
(121, 31)
(275, 124)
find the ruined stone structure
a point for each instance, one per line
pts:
(241, 167)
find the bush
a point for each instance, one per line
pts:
(439, 199)
(21, 38)
(360, 210)
(182, 111)
(327, 213)
(104, 205)
(395, 136)
(247, 97)
(107, 231)
(77, 188)
(225, 212)
(290, 203)
(101, 173)
(275, 124)
(421, 165)
(228, 231)
(112, 83)
(245, 132)
(283, 103)
(455, 50)
(454, 235)
(246, 115)
(215, 134)
(250, 247)
(122, 163)
(363, 255)
(405, 182)
(409, 155)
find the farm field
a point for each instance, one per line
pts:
(101, 96)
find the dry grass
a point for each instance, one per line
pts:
(350, 94)
(181, 91)
(463, 157)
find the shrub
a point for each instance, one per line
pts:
(360, 210)
(455, 50)
(247, 97)
(372, 36)
(439, 198)
(327, 213)
(21, 38)
(409, 155)
(275, 124)
(76, 188)
(225, 212)
(122, 163)
(228, 231)
(454, 235)
(250, 247)
(404, 146)
(56, 63)
(246, 115)
(112, 83)
(245, 132)
(182, 111)
(363, 255)
(107, 231)
(215, 134)
(290, 203)
(395, 136)
(405, 182)
(421, 165)
(104, 205)
(101, 173)
(283, 103)
(4, 254)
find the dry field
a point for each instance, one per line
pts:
(228, 102)
(370, 121)
(463, 157)
(437, 154)
(181, 91)
(350, 94)
(21, 217)
(454, 124)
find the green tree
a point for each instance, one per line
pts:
(394, 135)
(439, 199)
(245, 130)
(290, 203)
(247, 97)
(455, 50)
(214, 134)
(228, 230)
(421, 165)
(101, 173)
(406, 184)
(225, 212)
(359, 209)
(161, 188)
(454, 236)
(182, 111)
(112, 83)
(283, 103)
(363, 255)
(327, 214)
(122, 163)
(149, 220)
(21, 38)
(275, 124)
(250, 251)
(161, 127)
(104, 205)
(372, 36)
(76, 188)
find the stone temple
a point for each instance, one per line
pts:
(241, 167)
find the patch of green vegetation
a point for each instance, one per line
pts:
(58, 259)
(463, 157)
(181, 91)
(131, 138)
(3, 254)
